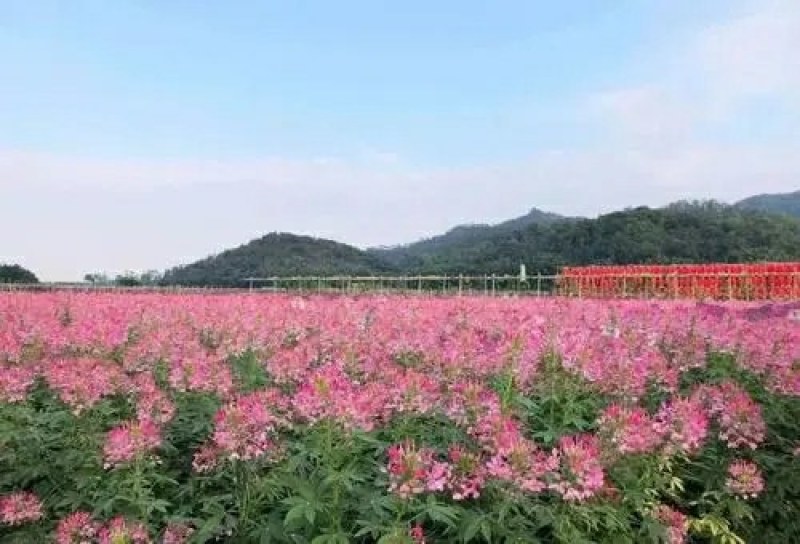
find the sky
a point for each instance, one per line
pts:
(142, 134)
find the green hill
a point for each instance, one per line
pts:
(782, 203)
(682, 232)
(459, 240)
(276, 254)
(14, 273)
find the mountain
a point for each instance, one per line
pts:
(684, 232)
(459, 239)
(277, 254)
(783, 203)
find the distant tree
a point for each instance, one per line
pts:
(128, 279)
(14, 273)
(134, 279)
(96, 277)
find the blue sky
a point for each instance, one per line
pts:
(141, 134)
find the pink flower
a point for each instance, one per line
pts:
(525, 466)
(744, 479)
(676, 524)
(242, 427)
(129, 441)
(206, 459)
(581, 475)
(20, 508)
(409, 470)
(684, 423)
(15, 382)
(417, 534)
(82, 383)
(630, 430)
(177, 533)
(152, 403)
(467, 474)
(121, 530)
(739, 416)
(77, 528)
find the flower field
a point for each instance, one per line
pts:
(266, 418)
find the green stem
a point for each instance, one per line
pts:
(138, 490)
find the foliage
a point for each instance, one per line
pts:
(785, 203)
(278, 419)
(276, 254)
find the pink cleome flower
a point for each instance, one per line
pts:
(412, 471)
(581, 475)
(77, 528)
(121, 530)
(177, 533)
(20, 508)
(684, 423)
(15, 382)
(129, 441)
(417, 534)
(744, 479)
(675, 522)
(630, 430)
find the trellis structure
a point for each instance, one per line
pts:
(489, 284)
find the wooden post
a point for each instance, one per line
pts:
(730, 287)
(538, 284)
(494, 285)
(460, 284)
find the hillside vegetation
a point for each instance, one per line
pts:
(683, 232)
(276, 254)
(783, 203)
(14, 273)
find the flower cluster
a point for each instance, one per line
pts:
(740, 421)
(120, 529)
(581, 476)
(130, 441)
(675, 523)
(77, 528)
(20, 508)
(412, 470)
(629, 429)
(744, 479)
(684, 423)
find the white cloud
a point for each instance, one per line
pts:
(754, 53)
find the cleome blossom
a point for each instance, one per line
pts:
(77, 528)
(684, 424)
(20, 508)
(581, 475)
(744, 479)
(120, 530)
(629, 430)
(130, 441)
(675, 523)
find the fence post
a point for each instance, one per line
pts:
(730, 286)
(460, 284)
(494, 285)
(538, 284)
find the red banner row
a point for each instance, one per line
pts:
(752, 281)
